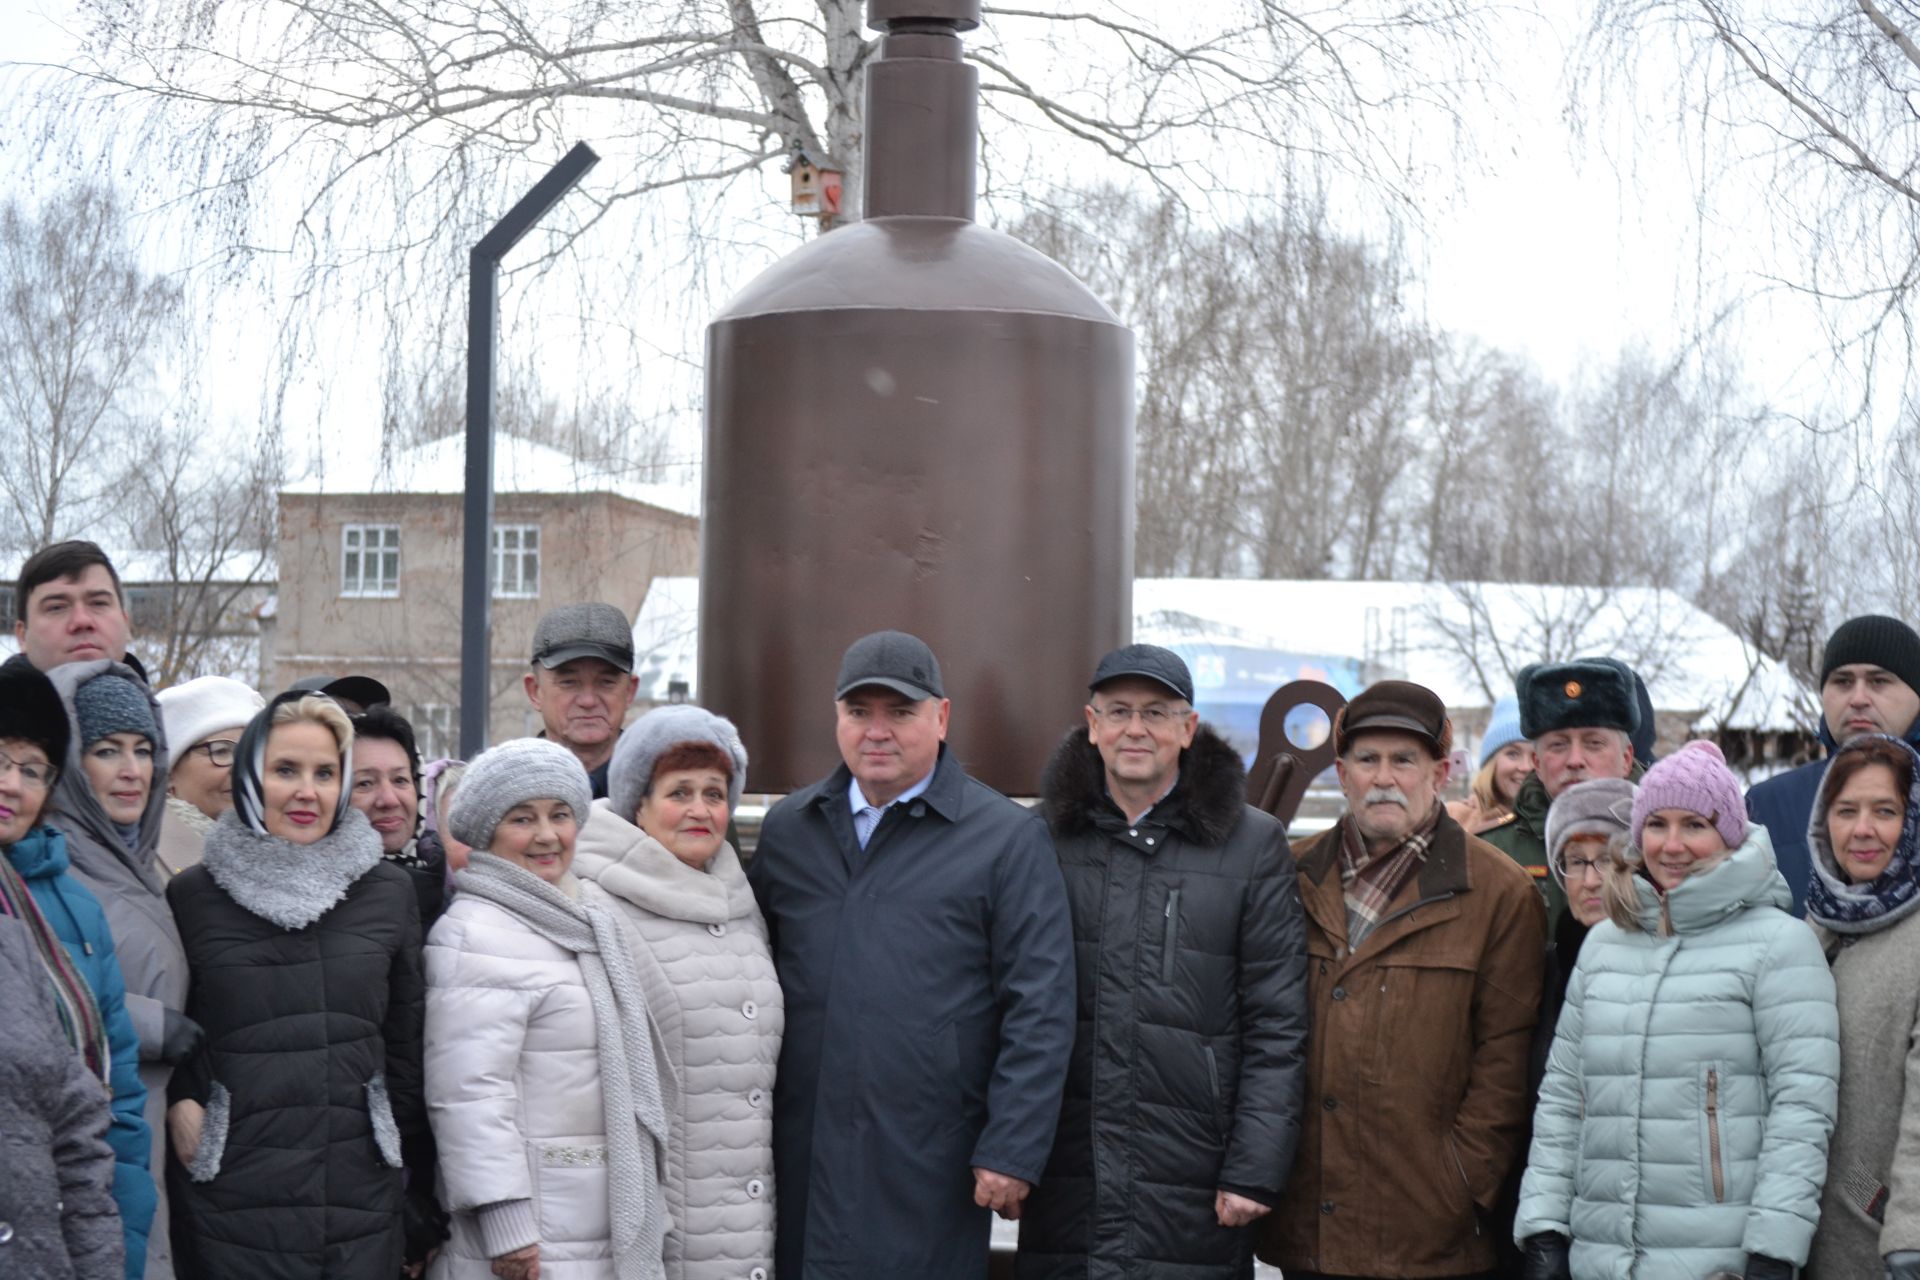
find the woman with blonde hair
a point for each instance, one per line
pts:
(1506, 759)
(1682, 1126)
(296, 1119)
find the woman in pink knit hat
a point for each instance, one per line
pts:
(1683, 1122)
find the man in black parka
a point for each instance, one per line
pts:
(920, 928)
(1182, 1105)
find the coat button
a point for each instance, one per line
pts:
(756, 1096)
(1339, 993)
(6, 1233)
(755, 1188)
(1149, 839)
(1329, 1104)
(1326, 1206)
(758, 1273)
(717, 930)
(750, 1009)
(1133, 831)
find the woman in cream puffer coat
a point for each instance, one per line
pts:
(658, 846)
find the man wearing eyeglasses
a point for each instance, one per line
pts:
(208, 715)
(1424, 959)
(1189, 1064)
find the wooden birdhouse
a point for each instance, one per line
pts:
(816, 185)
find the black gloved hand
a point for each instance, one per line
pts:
(1545, 1257)
(1761, 1267)
(180, 1038)
(424, 1224)
(1904, 1265)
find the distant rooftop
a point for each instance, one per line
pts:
(519, 466)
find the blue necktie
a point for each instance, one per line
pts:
(864, 822)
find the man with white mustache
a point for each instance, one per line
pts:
(1424, 960)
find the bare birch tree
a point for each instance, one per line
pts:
(81, 325)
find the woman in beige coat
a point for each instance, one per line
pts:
(657, 844)
(1864, 900)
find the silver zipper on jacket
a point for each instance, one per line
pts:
(1171, 941)
(1713, 1135)
(1213, 1086)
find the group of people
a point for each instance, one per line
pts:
(293, 1004)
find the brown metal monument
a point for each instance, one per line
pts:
(915, 422)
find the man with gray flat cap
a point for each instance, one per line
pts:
(582, 682)
(1190, 1067)
(920, 927)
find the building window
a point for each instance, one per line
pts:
(436, 730)
(370, 560)
(516, 561)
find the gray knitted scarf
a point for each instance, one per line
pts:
(629, 1079)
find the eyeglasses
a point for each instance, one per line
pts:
(219, 751)
(1576, 868)
(32, 772)
(1154, 717)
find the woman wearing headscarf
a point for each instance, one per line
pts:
(658, 844)
(542, 1078)
(57, 1168)
(108, 803)
(296, 1119)
(1864, 901)
(72, 938)
(1682, 1127)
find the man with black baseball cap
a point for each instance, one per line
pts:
(1424, 949)
(582, 682)
(920, 927)
(1186, 919)
(1869, 683)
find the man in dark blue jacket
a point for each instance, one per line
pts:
(1869, 683)
(920, 926)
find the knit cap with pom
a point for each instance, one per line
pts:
(1694, 779)
(515, 773)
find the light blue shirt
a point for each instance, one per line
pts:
(867, 816)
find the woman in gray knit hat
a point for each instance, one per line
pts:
(658, 844)
(542, 1075)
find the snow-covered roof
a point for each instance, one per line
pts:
(1463, 641)
(519, 466)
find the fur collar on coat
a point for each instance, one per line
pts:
(1206, 804)
(633, 866)
(289, 884)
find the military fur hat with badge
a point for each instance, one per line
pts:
(1587, 693)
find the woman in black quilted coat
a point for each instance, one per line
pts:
(295, 1121)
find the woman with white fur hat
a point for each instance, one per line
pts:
(204, 719)
(658, 844)
(542, 1076)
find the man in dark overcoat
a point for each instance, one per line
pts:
(920, 927)
(1182, 1109)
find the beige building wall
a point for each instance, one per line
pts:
(594, 546)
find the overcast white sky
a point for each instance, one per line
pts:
(1543, 247)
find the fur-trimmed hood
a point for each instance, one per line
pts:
(1206, 804)
(291, 885)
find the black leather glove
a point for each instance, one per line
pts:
(1904, 1265)
(1545, 1257)
(424, 1224)
(1761, 1267)
(180, 1038)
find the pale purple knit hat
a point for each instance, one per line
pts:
(1694, 778)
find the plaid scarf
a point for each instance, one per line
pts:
(79, 1012)
(1370, 883)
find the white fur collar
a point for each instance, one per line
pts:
(290, 884)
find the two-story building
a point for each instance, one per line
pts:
(369, 563)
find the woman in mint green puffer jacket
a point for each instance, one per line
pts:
(1682, 1127)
